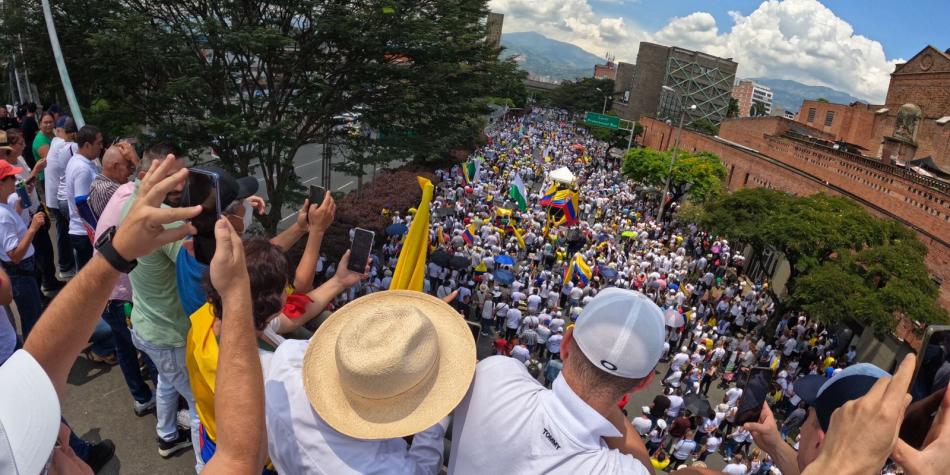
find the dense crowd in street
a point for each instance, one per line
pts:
(537, 247)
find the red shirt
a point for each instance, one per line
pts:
(501, 346)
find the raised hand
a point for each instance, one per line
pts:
(321, 217)
(228, 269)
(143, 230)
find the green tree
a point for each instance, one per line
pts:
(733, 110)
(615, 138)
(700, 174)
(704, 125)
(845, 263)
(582, 95)
(258, 79)
(822, 99)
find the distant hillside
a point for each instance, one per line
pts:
(542, 56)
(787, 94)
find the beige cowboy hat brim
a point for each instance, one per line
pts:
(408, 413)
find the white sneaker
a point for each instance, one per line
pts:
(184, 419)
(65, 276)
(142, 409)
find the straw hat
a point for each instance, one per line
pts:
(389, 364)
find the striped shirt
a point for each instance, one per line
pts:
(101, 191)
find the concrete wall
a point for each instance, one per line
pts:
(648, 80)
(624, 82)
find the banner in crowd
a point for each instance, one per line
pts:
(518, 193)
(411, 266)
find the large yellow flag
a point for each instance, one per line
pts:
(411, 266)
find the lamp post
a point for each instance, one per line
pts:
(676, 142)
(604, 109)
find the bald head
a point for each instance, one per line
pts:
(115, 166)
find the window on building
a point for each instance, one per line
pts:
(811, 115)
(829, 118)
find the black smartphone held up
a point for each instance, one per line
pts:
(930, 380)
(201, 188)
(360, 248)
(753, 395)
(317, 193)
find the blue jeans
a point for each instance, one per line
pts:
(83, 249)
(67, 261)
(172, 381)
(26, 293)
(102, 342)
(114, 316)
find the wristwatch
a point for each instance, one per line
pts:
(104, 246)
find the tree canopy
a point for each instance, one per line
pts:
(582, 95)
(846, 264)
(699, 174)
(256, 80)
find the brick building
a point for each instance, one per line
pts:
(922, 83)
(698, 78)
(747, 93)
(786, 155)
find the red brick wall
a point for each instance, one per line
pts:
(785, 164)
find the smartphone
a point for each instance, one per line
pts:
(317, 193)
(360, 248)
(930, 380)
(201, 188)
(753, 395)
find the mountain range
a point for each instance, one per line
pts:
(556, 61)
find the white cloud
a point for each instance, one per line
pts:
(573, 21)
(792, 39)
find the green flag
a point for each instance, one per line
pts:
(518, 194)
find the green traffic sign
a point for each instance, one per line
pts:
(602, 120)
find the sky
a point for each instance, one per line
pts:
(849, 45)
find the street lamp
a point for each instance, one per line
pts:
(604, 110)
(676, 142)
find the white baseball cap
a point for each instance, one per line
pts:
(29, 415)
(621, 332)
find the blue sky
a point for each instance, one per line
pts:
(850, 45)
(901, 27)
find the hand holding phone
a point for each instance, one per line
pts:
(749, 407)
(360, 249)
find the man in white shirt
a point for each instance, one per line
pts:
(61, 149)
(80, 172)
(643, 423)
(554, 344)
(509, 423)
(512, 322)
(342, 402)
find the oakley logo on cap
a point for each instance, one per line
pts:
(608, 365)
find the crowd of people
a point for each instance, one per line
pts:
(579, 302)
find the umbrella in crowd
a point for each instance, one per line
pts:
(460, 262)
(440, 257)
(609, 273)
(443, 212)
(673, 319)
(396, 229)
(697, 405)
(505, 260)
(504, 276)
(628, 234)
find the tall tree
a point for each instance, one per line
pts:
(699, 174)
(256, 80)
(582, 95)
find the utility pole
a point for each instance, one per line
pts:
(61, 66)
(676, 142)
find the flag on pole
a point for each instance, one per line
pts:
(411, 267)
(518, 194)
(549, 195)
(470, 170)
(520, 239)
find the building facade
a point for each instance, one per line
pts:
(777, 153)
(494, 23)
(754, 99)
(912, 124)
(695, 78)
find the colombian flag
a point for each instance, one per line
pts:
(411, 266)
(469, 234)
(578, 268)
(549, 195)
(567, 201)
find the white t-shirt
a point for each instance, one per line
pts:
(733, 395)
(12, 230)
(80, 172)
(735, 469)
(56, 159)
(642, 424)
(508, 423)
